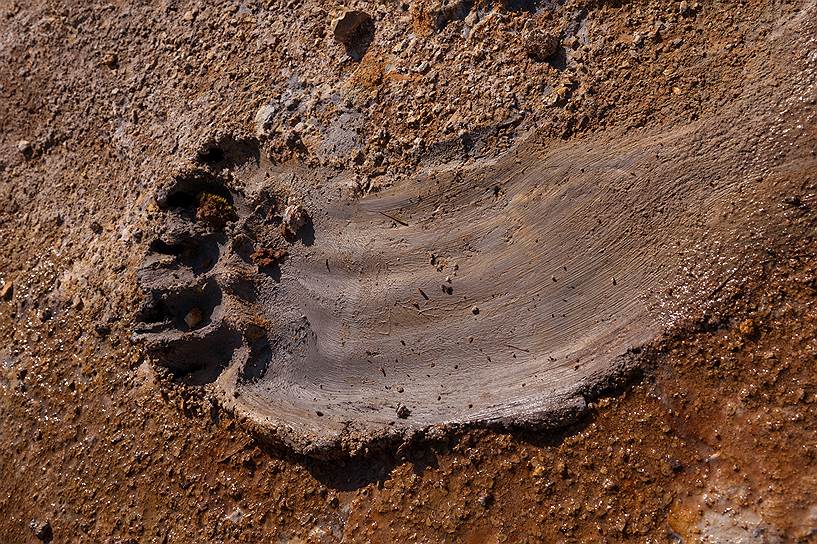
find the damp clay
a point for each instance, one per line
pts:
(506, 292)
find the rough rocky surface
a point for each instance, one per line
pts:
(109, 110)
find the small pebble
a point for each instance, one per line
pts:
(193, 317)
(42, 530)
(24, 147)
(402, 411)
(7, 291)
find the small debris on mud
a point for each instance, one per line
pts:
(396, 220)
(402, 411)
(748, 328)
(266, 257)
(42, 530)
(293, 139)
(351, 26)
(295, 217)
(111, 60)
(443, 12)
(7, 291)
(486, 499)
(265, 120)
(25, 147)
(103, 326)
(214, 210)
(193, 318)
(541, 46)
(609, 486)
(792, 200)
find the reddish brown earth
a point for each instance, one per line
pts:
(714, 440)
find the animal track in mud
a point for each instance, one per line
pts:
(502, 293)
(213, 252)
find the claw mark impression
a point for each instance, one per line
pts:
(503, 293)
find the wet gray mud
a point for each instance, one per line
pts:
(506, 292)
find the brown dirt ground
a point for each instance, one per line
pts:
(715, 442)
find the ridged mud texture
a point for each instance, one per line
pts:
(503, 293)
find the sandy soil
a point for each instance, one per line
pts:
(712, 438)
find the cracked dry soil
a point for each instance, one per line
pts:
(559, 296)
